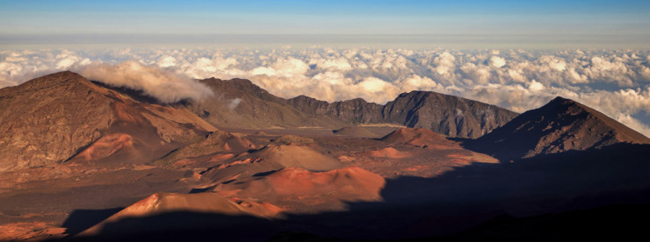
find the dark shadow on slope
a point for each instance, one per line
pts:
(608, 222)
(82, 219)
(487, 197)
(266, 173)
(466, 197)
(504, 153)
(612, 167)
(79, 150)
(139, 95)
(200, 190)
(185, 226)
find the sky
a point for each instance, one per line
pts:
(480, 24)
(515, 54)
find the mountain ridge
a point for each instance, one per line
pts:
(559, 126)
(238, 103)
(449, 115)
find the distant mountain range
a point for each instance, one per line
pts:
(448, 115)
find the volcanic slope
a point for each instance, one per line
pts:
(414, 152)
(444, 114)
(219, 142)
(165, 203)
(238, 103)
(296, 189)
(355, 131)
(271, 158)
(50, 119)
(559, 126)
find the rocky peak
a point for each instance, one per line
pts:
(559, 126)
(49, 119)
(445, 114)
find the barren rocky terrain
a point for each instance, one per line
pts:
(85, 161)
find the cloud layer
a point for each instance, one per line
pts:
(616, 82)
(165, 86)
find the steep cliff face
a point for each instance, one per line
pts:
(559, 126)
(444, 114)
(352, 111)
(49, 119)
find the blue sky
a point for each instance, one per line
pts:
(607, 22)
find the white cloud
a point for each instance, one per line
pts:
(476, 74)
(535, 86)
(167, 61)
(415, 82)
(497, 62)
(289, 67)
(337, 64)
(609, 70)
(10, 68)
(373, 84)
(232, 104)
(444, 63)
(615, 82)
(163, 85)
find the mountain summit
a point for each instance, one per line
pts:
(445, 114)
(559, 126)
(52, 118)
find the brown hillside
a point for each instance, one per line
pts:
(49, 119)
(559, 126)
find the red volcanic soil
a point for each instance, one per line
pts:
(29, 231)
(126, 111)
(297, 189)
(350, 184)
(404, 152)
(388, 152)
(106, 146)
(298, 156)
